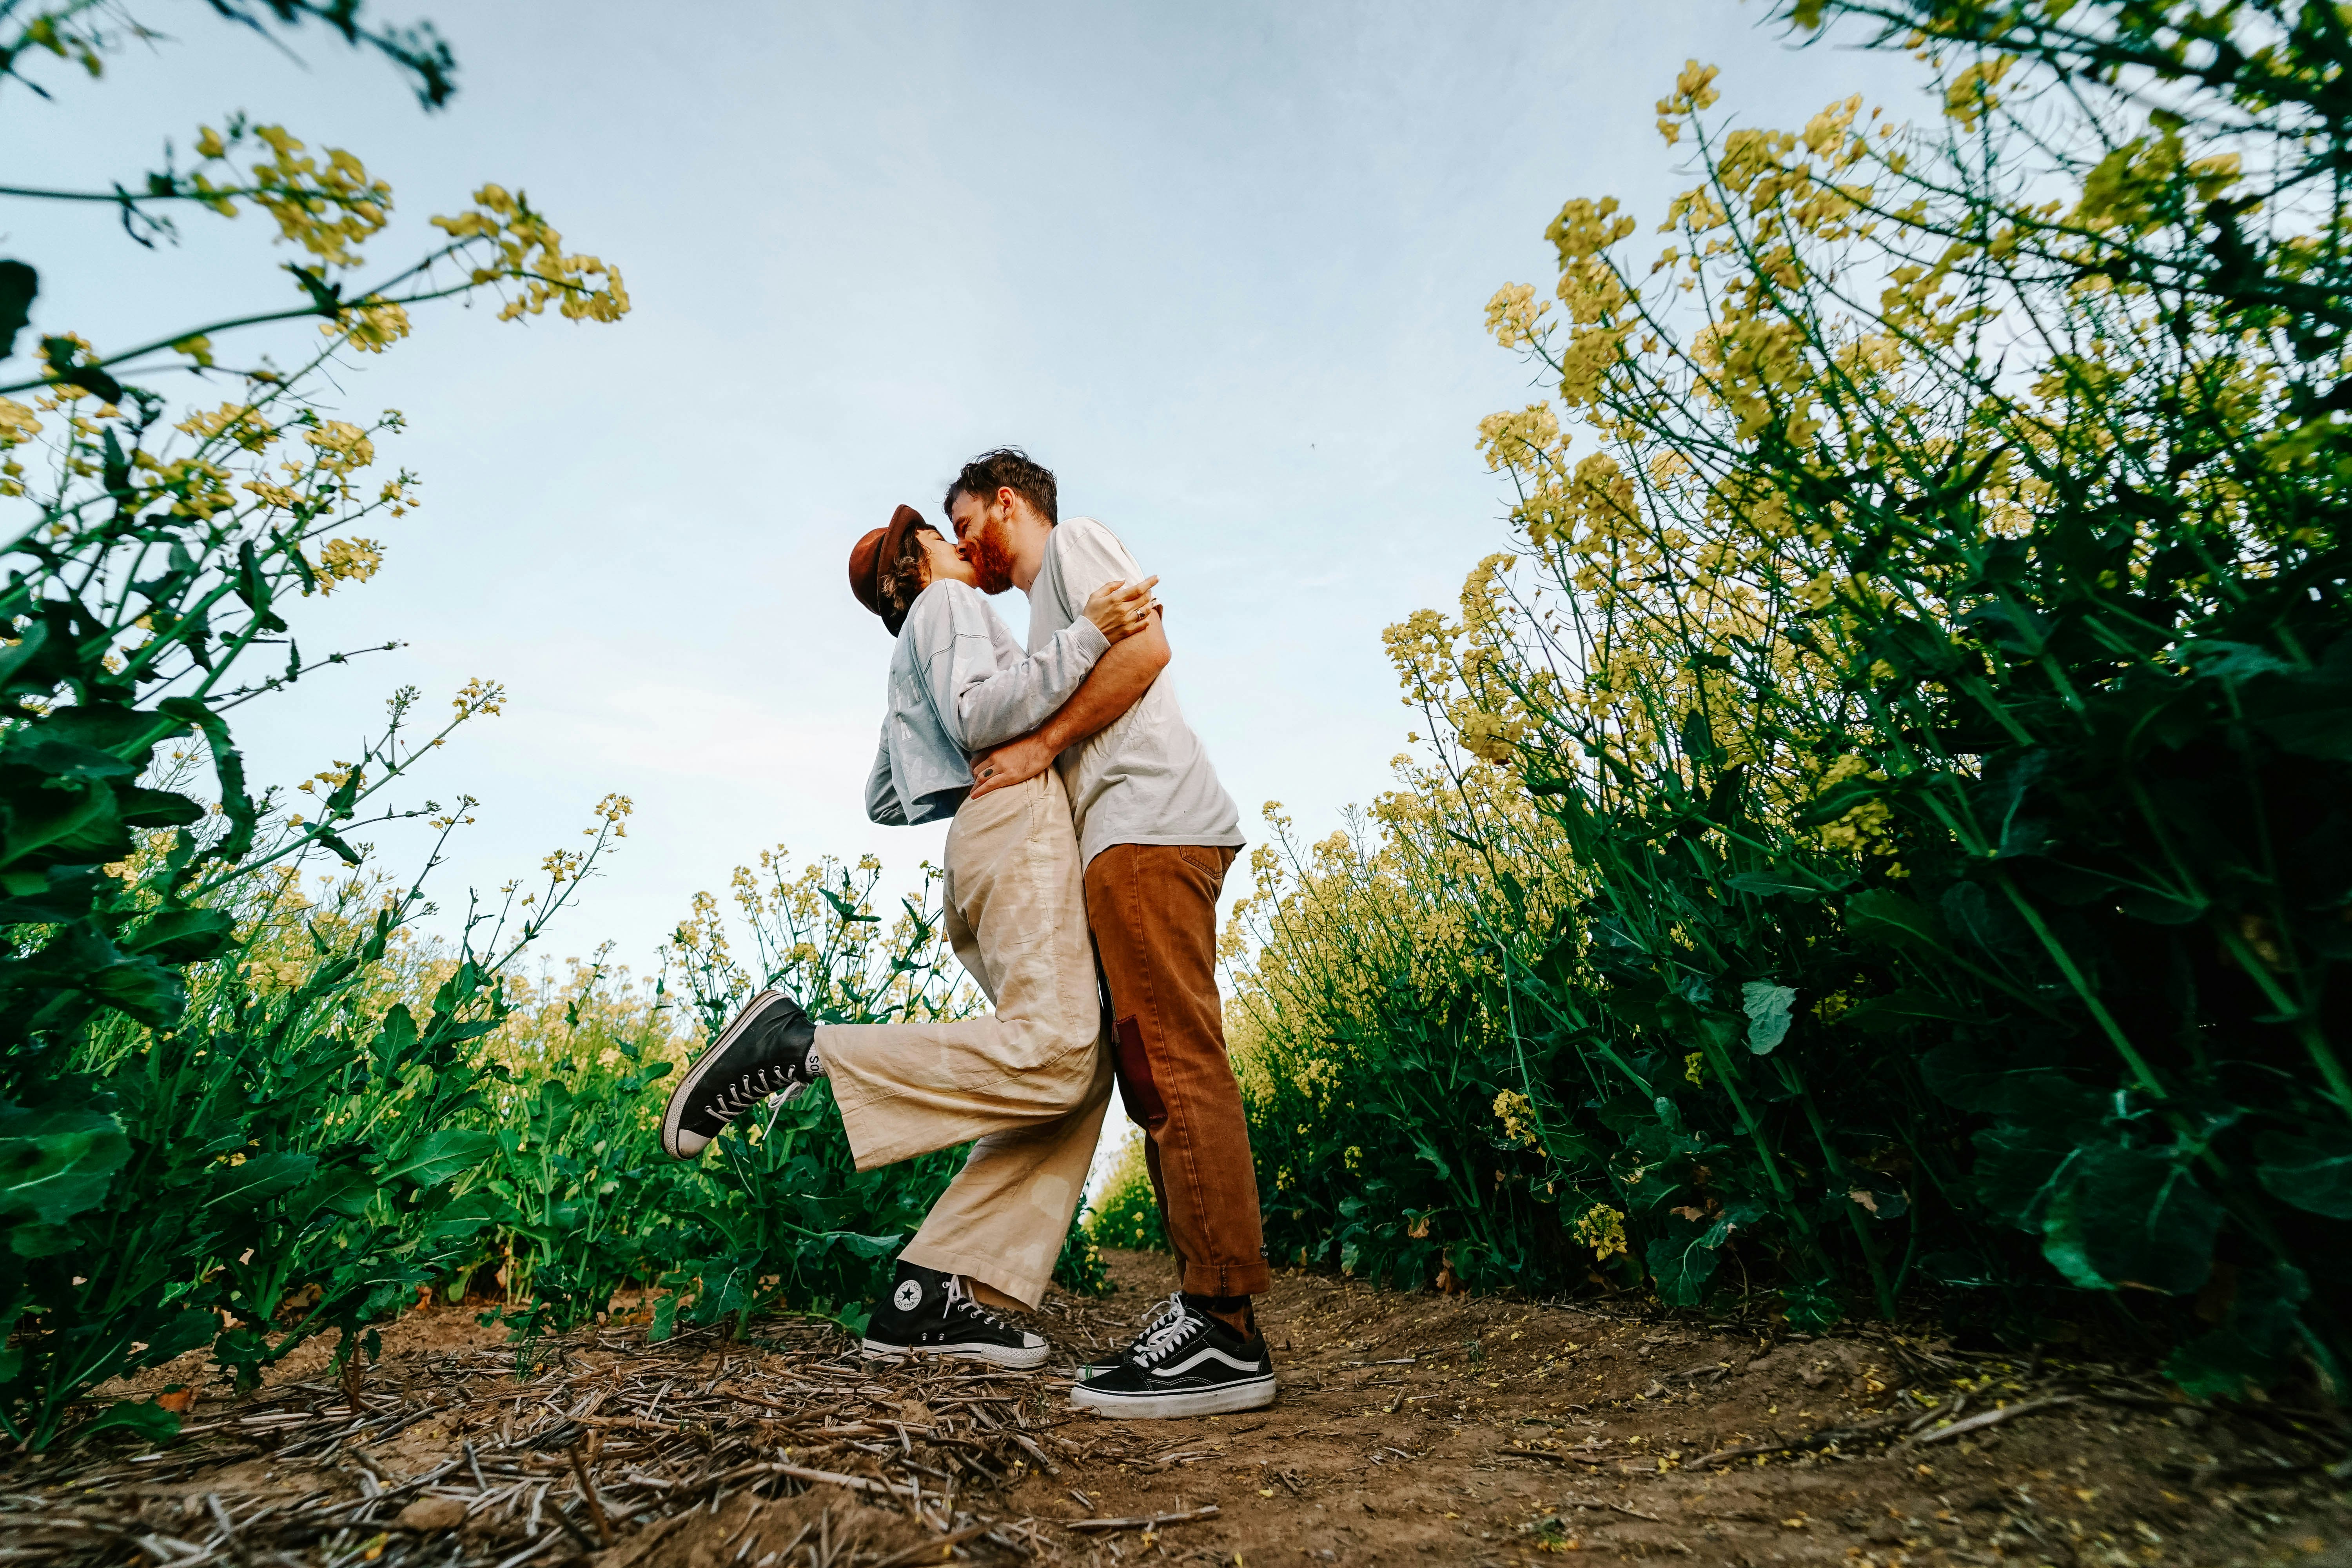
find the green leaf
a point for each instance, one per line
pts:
(861, 1246)
(27, 651)
(62, 354)
(1429, 1151)
(847, 910)
(147, 1421)
(344, 1191)
(1880, 914)
(1788, 884)
(1974, 1081)
(2232, 661)
(440, 1156)
(18, 286)
(262, 1176)
(183, 936)
(2313, 1173)
(155, 807)
(250, 585)
(1737, 1216)
(333, 841)
(2131, 1217)
(141, 987)
(180, 1332)
(1698, 739)
(2309, 712)
(2018, 1169)
(60, 758)
(2256, 1342)
(1900, 1009)
(1811, 1308)
(57, 1164)
(1767, 1008)
(228, 768)
(1682, 1262)
(77, 826)
(395, 1040)
(38, 1241)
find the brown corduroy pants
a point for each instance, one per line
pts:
(1154, 909)
(1030, 1082)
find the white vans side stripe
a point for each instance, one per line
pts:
(1201, 1355)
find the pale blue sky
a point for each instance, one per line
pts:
(1221, 266)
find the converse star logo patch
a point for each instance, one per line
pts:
(908, 1295)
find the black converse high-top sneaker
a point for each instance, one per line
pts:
(930, 1313)
(764, 1051)
(1186, 1364)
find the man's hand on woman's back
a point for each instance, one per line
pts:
(1116, 683)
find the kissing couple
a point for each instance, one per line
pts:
(1089, 843)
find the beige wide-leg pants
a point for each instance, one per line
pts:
(1030, 1082)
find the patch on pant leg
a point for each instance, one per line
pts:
(1137, 1091)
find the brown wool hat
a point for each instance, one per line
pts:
(867, 556)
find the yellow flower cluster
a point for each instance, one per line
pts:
(326, 209)
(580, 1014)
(1515, 317)
(1518, 1115)
(372, 325)
(327, 780)
(612, 813)
(1694, 90)
(342, 447)
(529, 252)
(18, 425)
(1969, 96)
(480, 696)
(1867, 829)
(241, 424)
(1601, 1228)
(347, 561)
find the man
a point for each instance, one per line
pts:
(1157, 834)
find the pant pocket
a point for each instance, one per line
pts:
(1137, 1089)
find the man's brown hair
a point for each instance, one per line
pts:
(1006, 468)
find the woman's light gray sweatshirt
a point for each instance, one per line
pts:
(960, 683)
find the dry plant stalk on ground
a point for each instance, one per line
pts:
(1411, 1427)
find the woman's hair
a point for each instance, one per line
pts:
(902, 579)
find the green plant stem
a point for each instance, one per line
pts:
(2083, 990)
(2301, 1019)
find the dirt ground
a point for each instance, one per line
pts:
(1411, 1428)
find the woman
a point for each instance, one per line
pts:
(1029, 1082)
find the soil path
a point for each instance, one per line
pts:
(1411, 1428)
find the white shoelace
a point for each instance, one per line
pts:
(961, 1300)
(751, 1089)
(1175, 1324)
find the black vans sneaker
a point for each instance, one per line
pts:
(1186, 1364)
(932, 1314)
(764, 1051)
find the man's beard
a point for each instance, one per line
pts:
(992, 563)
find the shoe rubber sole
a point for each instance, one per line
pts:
(702, 1064)
(1018, 1360)
(1253, 1393)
